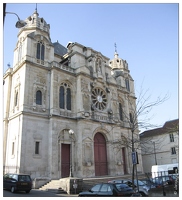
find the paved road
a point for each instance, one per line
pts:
(35, 193)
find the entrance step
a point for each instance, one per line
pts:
(53, 186)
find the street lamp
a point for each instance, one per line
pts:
(71, 132)
(19, 23)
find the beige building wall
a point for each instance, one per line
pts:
(160, 146)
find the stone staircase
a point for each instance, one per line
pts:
(87, 183)
(53, 186)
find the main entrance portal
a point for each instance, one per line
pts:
(100, 155)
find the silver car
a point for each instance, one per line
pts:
(143, 188)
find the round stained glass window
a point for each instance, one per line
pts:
(99, 98)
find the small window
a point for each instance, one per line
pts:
(37, 146)
(39, 97)
(173, 150)
(171, 136)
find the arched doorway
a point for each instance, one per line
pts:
(65, 160)
(100, 155)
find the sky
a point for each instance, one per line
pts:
(146, 36)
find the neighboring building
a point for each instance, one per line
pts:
(161, 145)
(65, 109)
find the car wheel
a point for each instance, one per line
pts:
(27, 191)
(12, 189)
(142, 194)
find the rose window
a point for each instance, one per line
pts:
(99, 98)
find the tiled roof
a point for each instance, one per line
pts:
(59, 49)
(169, 126)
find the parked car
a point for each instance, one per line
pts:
(143, 188)
(149, 183)
(108, 190)
(164, 180)
(17, 182)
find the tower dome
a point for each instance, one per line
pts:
(35, 22)
(118, 63)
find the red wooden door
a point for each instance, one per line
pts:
(100, 155)
(65, 160)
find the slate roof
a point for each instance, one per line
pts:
(59, 49)
(169, 126)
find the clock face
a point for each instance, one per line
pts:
(99, 98)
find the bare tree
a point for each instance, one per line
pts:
(137, 118)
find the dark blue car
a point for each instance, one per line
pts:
(17, 182)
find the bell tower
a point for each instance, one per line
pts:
(34, 43)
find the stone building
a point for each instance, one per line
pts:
(66, 109)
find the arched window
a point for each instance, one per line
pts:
(16, 99)
(120, 111)
(131, 118)
(40, 50)
(127, 84)
(61, 97)
(20, 53)
(39, 97)
(68, 99)
(65, 96)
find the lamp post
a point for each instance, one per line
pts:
(19, 23)
(71, 132)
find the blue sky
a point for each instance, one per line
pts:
(146, 35)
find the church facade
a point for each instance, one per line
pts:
(66, 109)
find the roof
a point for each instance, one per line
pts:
(168, 127)
(59, 49)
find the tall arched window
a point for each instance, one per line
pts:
(65, 96)
(127, 84)
(68, 99)
(131, 117)
(39, 97)
(61, 97)
(20, 53)
(16, 99)
(120, 111)
(40, 50)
